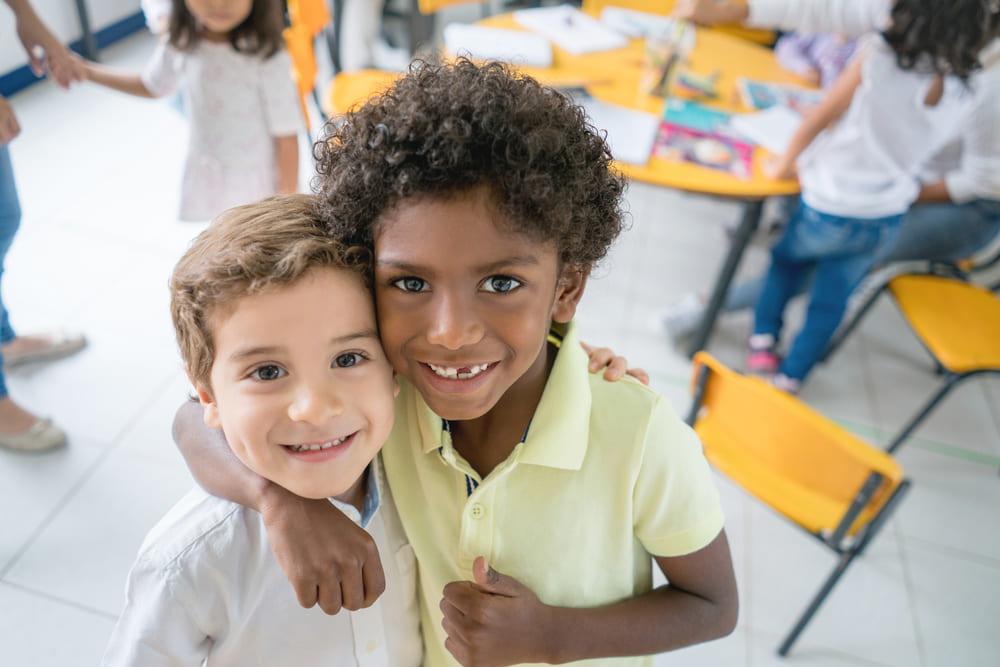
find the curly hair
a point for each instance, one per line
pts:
(944, 37)
(441, 130)
(259, 34)
(248, 250)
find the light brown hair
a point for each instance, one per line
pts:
(247, 250)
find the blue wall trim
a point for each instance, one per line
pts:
(22, 77)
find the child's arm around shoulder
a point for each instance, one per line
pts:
(328, 559)
(817, 119)
(496, 620)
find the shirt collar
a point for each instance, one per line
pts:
(373, 497)
(560, 428)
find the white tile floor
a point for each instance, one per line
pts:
(98, 174)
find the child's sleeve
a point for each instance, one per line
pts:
(676, 504)
(158, 626)
(280, 99)
(162, 75)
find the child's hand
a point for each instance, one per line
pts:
(614, 366)
(327, 558)
(779, 168)
(494, 621)
(9, 127)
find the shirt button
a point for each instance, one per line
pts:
(478, 511)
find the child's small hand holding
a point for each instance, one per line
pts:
(494, 621)
(779, 168)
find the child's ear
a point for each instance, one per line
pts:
(210, 409)
(569, 291)
(395, 384)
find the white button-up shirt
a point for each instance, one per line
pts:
(206, 588)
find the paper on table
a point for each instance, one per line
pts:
(634, 23)
(570, 29)
(630, 133)
(772, 128)
(484, 43)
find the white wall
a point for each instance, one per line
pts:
(61, 17)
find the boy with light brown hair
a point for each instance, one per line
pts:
(276, 327)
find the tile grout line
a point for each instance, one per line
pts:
(52, 598)
(911, 593)
(922, 544)
(84, 478)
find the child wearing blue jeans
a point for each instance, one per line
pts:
(858, 156)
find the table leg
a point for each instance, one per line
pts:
(421, 27)
(89, 43)
(748, 225)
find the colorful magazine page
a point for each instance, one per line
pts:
(698, 117)
(678, 143)
(761, 95)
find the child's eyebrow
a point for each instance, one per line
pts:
(364, 333)
(254, 351)
(517, 260)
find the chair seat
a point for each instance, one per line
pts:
(958, 322)
(798, 502)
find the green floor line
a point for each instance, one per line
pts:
(876, 434)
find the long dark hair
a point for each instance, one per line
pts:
(942, 36)
(259, 34)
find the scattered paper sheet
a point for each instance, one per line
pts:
(772, 128)
(571, 29)
(630, 133)
(484, 43)
(635, 24)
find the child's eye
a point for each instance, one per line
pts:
(348, 359)
(501, 284)
(268, 373)
(411, 284)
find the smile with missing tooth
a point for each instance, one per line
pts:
(460, 372)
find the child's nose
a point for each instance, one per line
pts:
(454, 324)
(315, 404)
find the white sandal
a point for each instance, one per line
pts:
(60, 344)
(43, 435)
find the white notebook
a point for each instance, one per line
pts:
(571, 29)
(630, 133)
(772, 128)
(483, 43)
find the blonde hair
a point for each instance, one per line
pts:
(247, 250)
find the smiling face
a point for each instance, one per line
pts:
(300, 385)
(219, 16)
(464, 303)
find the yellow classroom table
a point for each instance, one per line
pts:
(613, 76)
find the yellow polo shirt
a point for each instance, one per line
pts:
(607, 476)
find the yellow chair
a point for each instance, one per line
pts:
(835, 486)
(959, 325)
(665, 7)
(299, 43)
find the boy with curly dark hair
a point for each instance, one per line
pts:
(487, 199)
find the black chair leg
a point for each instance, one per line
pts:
(949, 383)
(851, 325)
(845, 560)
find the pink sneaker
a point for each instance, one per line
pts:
(763, 362)
(763, 357)
(787, 384)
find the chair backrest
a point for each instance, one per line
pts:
(432, 6)
(313, 14)
(299, 42)
(780, 450)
